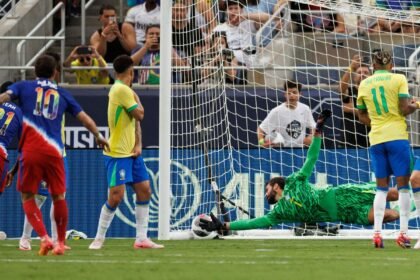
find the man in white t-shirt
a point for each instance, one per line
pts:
(240, 29)
(287, 124)
(142, 16)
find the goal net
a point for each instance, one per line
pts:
(228, 74)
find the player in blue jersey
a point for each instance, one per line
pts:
(43, 105)
(10, 127)
(384, 102)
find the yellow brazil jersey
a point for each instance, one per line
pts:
(89, 77)
(121, 124)
(379, 95)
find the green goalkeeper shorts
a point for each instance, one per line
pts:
(354, 203)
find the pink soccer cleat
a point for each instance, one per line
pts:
(147, 244)
(59, 249)
(46, 246)
(403, 241)
(378, 241)
(96, 244)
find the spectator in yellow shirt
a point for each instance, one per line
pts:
(88, 56)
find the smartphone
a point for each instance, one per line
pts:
(84, 50)
(112, 20)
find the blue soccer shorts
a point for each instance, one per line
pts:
(393, 157)
(417, 165)
(121, 171)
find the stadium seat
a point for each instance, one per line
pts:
(401, 54)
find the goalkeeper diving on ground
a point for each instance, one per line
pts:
(297, 200)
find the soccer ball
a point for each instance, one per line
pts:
(200, 233)
(3, 235)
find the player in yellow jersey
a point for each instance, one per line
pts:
(384, 102)
(123, 161)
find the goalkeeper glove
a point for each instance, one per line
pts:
(214, 225)
(322, 118)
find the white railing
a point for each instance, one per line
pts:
(60, 35)
(285, 21)
(10, 13)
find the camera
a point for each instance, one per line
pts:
(228, 54)
(82, 50)
(250, 50)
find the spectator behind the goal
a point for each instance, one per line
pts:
(354, 132)
(186, 38)
(87, 56)
(287, 124)
(318, 19)
(219, 54)
(240, 30)
(149, 55)
(113, 38)
(200, 14)
(397, 26)
(141, 16)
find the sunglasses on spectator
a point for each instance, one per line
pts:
(82, 59)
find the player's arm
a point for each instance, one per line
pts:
(363, 116)
(138, 144)
(11, 174)
(5, 97)
(137, 111)
(90, 124)
(407, 105)
(315, 146)
(261, 222)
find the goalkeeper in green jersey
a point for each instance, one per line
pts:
(299, 201)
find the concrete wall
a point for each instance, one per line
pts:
(28, 14)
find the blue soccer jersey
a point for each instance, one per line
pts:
(43, 105)
(10, 125)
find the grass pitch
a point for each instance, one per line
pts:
(215, 259)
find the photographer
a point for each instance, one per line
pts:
(149, 55)
(219, 54)
(87, 56)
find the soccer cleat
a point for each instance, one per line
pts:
(25, 244)
(417, 246)
(147, 244)
(403, 241)
(46, 246)
(378, 241)
(59, 249)
(96, 244)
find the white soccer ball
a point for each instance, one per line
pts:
(200, 233)
(3, 235)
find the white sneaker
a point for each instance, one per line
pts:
(96, 244)
(25, 244)
(147, 244)
(417, 246)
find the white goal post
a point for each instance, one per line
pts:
(209, 115)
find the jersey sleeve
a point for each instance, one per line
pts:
(127, 101)
(312, 157)
(403, 88)
(14, 90)
(310, 122)
(267, 123)
(131, 16)
(73, 107)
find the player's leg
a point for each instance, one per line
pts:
(143, 192)
(399, 156)
(382, 172)
(25, 240)
(29, 176)
(392, 194)
(55, 178)
(119, 172)
(415, 184)
(389, 216)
